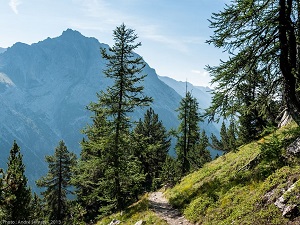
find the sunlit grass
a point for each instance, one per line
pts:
(232, 189)
(136, 212)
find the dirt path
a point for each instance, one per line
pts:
(161, 206)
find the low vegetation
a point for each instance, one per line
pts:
(242, 187)
(237, 188)
(134, 213)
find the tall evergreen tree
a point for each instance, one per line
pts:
(118, 172)
(261, 38)
(188, 131)
(224, 138)
(200, 154)
(90, 169)
(121, 98)
(152, 145)
(17, 195)
(57, 182)
(228, 141)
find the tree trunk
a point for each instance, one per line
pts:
(288, 59)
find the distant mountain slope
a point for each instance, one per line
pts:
(2, 50)
(45, 88)
(203, 94)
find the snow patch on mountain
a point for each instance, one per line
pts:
(6, 80)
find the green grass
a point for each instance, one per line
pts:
(136, 212)
(237, 188)
(226, 191)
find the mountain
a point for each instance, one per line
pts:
(45, 88)
(2, 50)
(202, 94)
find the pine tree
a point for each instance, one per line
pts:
(188, 131)
(152, 145)
(16, 194)
(57, 182)
(261, 38)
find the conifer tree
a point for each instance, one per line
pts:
(57, 182)
(171, 171)
(200, 155)
(16, 194)
(152, 145)
(125, 68)
(117, 176)
(231, 135)
(92, 185)
(228, 141)
(37, 209)
(188, 131)
(261, 38)
(224, 138)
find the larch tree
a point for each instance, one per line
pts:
(188, 131)
(261, 38)
(118, 170)
(57, 182)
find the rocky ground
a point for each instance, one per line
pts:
(161, 206)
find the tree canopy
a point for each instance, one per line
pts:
(261, 38)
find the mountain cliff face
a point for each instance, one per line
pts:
(2, 50)
(45, 88)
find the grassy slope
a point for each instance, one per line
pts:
(136, 212)
(226, 192)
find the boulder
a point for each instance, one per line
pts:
(294, 148)
(140, 222)
(115, 222)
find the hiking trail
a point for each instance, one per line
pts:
(164, 210)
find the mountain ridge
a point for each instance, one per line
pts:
(45, 88)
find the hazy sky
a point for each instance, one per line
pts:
(172, 32)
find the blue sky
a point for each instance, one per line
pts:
(172, 32)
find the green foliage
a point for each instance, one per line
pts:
(171, 172)
(108, 176)
(188, 131)
(134, 213)
(241, 187)
(151, 145)
(200, 154)
(37, 208)
(197, 208)
(262, 72)
(228, 141)
(16, 195)
(57, 182)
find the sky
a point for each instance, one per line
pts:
(172, 32)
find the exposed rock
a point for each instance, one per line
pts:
(115, 222)
(290, 210)
(294, 148)
(140, 222)
(285, 119)
(286, 209)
